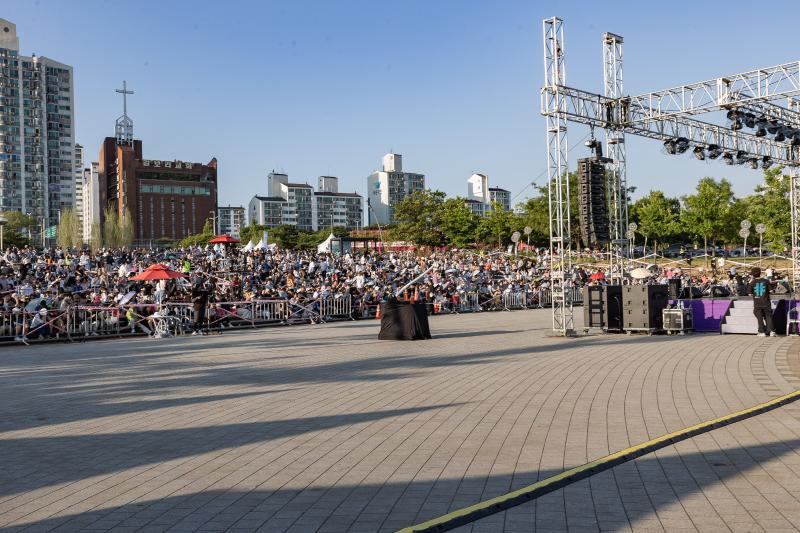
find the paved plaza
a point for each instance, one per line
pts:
(325, 428)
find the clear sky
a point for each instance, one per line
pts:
(328, 87)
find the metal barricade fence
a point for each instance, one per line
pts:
(336, 307)
(80, 322)
(468, 302)
(515, 300)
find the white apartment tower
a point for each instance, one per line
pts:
(90, 202)
(299, 205)
(230, 220)
(37, 132)
(78, 182)
(480, 196)
(387, 187)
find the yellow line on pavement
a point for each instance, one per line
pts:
(511, 499)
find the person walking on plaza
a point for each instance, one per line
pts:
(199, 304)
(762, 307)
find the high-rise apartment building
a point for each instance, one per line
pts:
(298, 204)
(500, 196)
(37, 132)
(90, 204)
(387, 187)
(230, 220)
(78, 182)
(481, 197)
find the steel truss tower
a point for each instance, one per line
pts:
(669, 115)
(615, 141)
(557, 174)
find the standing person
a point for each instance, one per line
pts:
(199, 304)
(762, 308)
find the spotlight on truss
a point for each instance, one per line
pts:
(780, 136)
(714, 151)
(761, 122)
(699, 152)
(732, 115)
(728, 158)
(773, 127)
(741, 157)
(760, 132)
(736, 125)
(766, 161)
(670, 146)
(750, 120)
(754, 163)
(681, 144)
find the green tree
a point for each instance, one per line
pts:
(111, 237)
(498, 225)
(657, 217)
(708, 213)
(251, 232)
(68, 234)
(457, 222)
(96, 236)
(199, 239)
(285, 236)
(771, 206)
(418, 218)
(17, 227)
(125, 233)
(535, 213)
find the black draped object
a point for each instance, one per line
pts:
(403, 321)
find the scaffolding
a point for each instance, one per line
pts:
(671, 116)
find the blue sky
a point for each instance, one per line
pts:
(328, 87)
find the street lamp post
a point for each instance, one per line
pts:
(760, 229)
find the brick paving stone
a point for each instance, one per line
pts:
(324, 428)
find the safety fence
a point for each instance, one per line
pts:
(176, 318)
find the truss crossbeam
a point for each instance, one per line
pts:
(599, 111)
(756, 85)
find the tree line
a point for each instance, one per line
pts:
(710, 215)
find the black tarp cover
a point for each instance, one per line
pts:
(403, 321)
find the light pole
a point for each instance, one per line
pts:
(3, 222)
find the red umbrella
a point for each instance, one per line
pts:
(157, 272)
(223, 239)
(597, 276)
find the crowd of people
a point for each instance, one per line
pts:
(39, 286)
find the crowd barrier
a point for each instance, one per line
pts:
(80, 322)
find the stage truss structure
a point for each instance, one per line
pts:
(667, 115)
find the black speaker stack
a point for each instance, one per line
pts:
(602, 307)
(643, 305)
(593, 201)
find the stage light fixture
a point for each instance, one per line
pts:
(754, 163)
(761, 122)
(736, 125)
(699, 152)
(732, 114)
(760, 132)
(780, 137)
(741, 157)
(766, 161)
(773, 127)
(670, 146)
(681, 145)
(750, 120)
(728, 158)
(714, 151)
